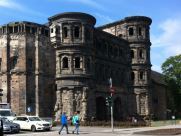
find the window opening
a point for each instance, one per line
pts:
(132, 76)
(65, 62)
(132, 54)
(76, 32)
(141, 75)
(77, 62)
(131, 31)
(65, 32)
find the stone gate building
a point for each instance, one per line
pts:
(65, 66)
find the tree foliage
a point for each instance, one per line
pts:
(172, 72)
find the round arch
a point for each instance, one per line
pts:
(101, 109)
(118, 115)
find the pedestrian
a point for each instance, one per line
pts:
(64, 123)
(1, 127)
(76, 122)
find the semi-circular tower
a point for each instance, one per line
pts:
(72, 36)
(135, 30)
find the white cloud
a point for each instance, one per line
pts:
(104, 18)
(166, 43)
(10, 4)
(91, 3)
(156, 68)
(169, 40)
(18, 7)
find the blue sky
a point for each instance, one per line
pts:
(166, 15)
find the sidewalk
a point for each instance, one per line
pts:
(101, 131)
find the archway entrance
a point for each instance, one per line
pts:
(118, 115)
(101, 109)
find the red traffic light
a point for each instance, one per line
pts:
(112, 90)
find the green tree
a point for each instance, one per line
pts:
(172, 72)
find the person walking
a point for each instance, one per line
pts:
(64, 123)
(1, 127)
(76, 122)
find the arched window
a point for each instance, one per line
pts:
(57, 30)
(65, 32)
(88, 64)
(76, 32)
(132, 76)
(77, 62)
(141, 75)
(51, 30)
(65, 62)
(132, 54)
(13, 61)
(131, 31)
(139, 31)
(141, 54)
(120, 35)
(87, 33)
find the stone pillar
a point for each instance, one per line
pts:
(138, 103)
(147, 108)
(58, 105)
(58, 64)
(70, 32)
(84, 65)
(71, 63)
(84, 104)
(5, 69)
(70, 106)
(83, 33)
(37, 89)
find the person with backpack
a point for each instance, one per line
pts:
(76, 122)
(64, 123)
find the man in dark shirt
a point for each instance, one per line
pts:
(1, 127)
(64, 122)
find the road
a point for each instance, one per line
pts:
(93, 131)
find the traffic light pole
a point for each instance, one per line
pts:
(112, 120)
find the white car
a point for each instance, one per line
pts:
(7, 113)
(32, 123)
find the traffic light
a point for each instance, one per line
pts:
(108, 101)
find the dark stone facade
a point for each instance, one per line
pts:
(27, 68)
(71, 62)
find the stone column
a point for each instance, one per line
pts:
(138, 103)
(84, 64)
(58, 106)
(70, 31)
(83, 33)
(70, 106)
(71, 63)
(37, 77)
(147, 108)
(84, 104)
(58, 64)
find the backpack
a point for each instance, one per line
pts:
(77, 121)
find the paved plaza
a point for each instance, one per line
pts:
(95, 131)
